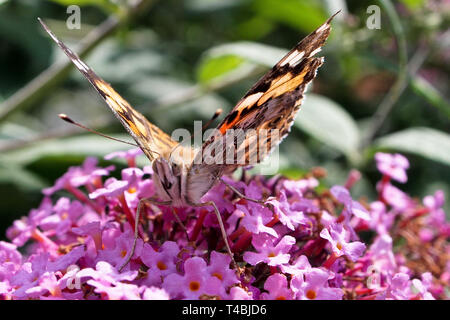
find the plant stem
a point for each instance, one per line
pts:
(39, 87)
(400, 84)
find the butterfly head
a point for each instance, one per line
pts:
(167, 179)
(170, 174)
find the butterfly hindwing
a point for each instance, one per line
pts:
(152, 140)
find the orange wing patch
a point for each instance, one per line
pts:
(283, 85)
(152, 140)
(274, 101)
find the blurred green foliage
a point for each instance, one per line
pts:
(178, 61)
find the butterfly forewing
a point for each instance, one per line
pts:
(267, 110)
(152, 140)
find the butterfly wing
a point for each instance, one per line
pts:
(152, 140)
(271, 104)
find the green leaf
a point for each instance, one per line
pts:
(223, 59)
(205, 6)
(23, 179)
(251, 51)
(227, 58)
(428, 143)
(413, 4)
(303, 15)
(293, 173)
(84, 145)
(106, 5)
(218, 66)
(425, 89)
(329, 123)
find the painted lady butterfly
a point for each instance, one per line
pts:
(271, 104)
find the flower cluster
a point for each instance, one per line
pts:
(306, 242)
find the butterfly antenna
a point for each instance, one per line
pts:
(214, 117)
(69, 120)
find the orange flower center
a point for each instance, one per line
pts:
(311, 294)
(271, 254)
(65, 215)
(194, 285)
(123, 253)
(280, 298)
(217, 275)
(161, 265)
(339, 246)
(131, 190)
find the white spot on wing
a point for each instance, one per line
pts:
(296, 59)
(250, 100)
(314, 52)
(81, 65)
(290, 57)
(322, 28)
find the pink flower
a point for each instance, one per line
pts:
(313, 285)
(72, 249)
(396, 198)
(108, 282)
(351, 207)
(382, 255)
(79, 176)
(160, 263)
(66, 213)
(195, 282)
(120, 291)
(392, 165)
(422, 286)
(28, 278)
(299, 267)
(93, 230)
(299, 187)
(286, 214)
(268, 252)
(155, 293)
(337, 237)
(117, 255)
(129, 156)
(219, 267)
(22, 230)
(237, 293)
(10, 260)
(106, 273)
(255, 220)
(381, 221)
(113, 188)
(277, 287)
(399, 287)
(434, 203)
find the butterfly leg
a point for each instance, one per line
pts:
(222, 228)
(136, 225)
(180, 223)
(241, 195)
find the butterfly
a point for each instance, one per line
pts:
(270, 106)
